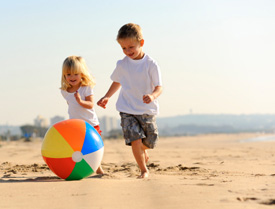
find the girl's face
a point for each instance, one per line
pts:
(132, 48)
(74, 79)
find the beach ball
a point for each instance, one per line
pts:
(72, 149)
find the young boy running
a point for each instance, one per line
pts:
(139, 78)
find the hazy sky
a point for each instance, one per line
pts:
(216, 56)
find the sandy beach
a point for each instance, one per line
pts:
(221, 171)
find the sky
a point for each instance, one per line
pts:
(215, 56)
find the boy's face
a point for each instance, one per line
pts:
(132, 48)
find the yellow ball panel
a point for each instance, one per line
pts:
(55, 146)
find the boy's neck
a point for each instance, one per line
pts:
(141, 55)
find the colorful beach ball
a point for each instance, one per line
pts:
(72, 149)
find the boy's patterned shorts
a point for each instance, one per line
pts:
(139, 127)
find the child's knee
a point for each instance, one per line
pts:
(137, 142)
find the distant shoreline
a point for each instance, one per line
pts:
(259, 139)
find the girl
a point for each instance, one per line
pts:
(77, 89)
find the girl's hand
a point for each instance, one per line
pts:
(77, 97)
(148, 98)
(103, 102)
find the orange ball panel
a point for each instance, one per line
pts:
(71, 130)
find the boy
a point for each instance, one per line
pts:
(139, 77)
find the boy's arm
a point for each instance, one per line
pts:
(113, 89)
(151, 97)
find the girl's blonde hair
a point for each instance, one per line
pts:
(75, 65)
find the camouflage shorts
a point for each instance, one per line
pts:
(139, 127)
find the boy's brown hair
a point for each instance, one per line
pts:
(130, 30)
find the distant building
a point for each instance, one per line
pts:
(56, 119)
(39, 121)
(107, 124)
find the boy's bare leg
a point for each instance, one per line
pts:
(146, 153)
(139, 154)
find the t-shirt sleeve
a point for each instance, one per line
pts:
(63, 93)
(156, 75)
(88, 91)
(116, 74)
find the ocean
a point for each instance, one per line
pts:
(260, 139)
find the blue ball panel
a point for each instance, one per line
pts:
(92, 141)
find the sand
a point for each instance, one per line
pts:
(208, 172)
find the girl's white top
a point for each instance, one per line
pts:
(137, 78)
(75, 110)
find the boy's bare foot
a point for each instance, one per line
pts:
(144, 175)
(100, 171)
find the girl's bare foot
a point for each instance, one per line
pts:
(100, 171)
(144, 175)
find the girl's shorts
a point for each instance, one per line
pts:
(136, 127)
(97, 128)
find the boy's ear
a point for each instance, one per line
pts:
(141, 42)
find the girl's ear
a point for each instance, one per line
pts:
(141, 42)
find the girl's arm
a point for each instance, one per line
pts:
(151, 97)
(113, 89)
(88, 103)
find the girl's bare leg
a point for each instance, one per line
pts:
(100, 170)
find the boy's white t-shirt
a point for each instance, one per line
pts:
(137, 78)
(75, 110)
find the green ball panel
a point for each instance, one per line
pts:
(80, 171)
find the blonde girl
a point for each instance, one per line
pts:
(77, 89)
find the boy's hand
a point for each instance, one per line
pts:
(102, 102)
(148, 98)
